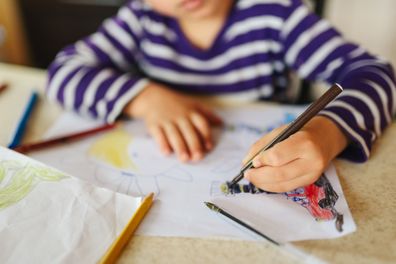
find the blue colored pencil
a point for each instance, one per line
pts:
(20, 128)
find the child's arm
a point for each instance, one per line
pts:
(349, 125)
(98, 77)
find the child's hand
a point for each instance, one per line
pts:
(177, 122)
(298, 160)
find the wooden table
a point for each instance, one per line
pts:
(370, 190)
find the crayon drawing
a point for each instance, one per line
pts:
(128, 164)
(139, 184)
(136, 167)
(47, 216)
(129, 161)
(112, 149)
(318, 198)
(18, 180)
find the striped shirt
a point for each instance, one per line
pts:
(259, 43)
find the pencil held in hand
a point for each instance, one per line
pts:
(295, 126)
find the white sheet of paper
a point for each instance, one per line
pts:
(182, 188)
(47, 216)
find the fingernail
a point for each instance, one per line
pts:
(197, 156)
(166, 151)
(208, 146)
(183, 157)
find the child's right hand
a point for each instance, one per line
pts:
(177, 122)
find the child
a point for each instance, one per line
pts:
(144, 61)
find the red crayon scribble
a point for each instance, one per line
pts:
(318, 198)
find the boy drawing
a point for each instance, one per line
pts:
(149, 60)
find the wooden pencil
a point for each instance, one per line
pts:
(115, 249)
(48, 143)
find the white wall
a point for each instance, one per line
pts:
(371, 23)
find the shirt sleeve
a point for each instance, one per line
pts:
(98, 75)
(317, 52)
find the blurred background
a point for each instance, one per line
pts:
(33, 31)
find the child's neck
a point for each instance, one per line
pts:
(203, 32)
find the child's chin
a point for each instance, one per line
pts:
(192, 5)
(201, 11)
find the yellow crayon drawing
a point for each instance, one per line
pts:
(17, 180)
(112, 149)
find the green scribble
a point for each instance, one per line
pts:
(2, 174)
(17, 180)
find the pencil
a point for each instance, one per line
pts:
(115, 249)
(217, 209)
(21, 127)
(298, 254)
(296, 125)
(63, 139)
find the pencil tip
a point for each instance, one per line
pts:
(209, 205)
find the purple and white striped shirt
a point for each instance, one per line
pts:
(260, 42)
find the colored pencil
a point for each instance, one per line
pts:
(219, 210)
(21, 127)
(63, 139)
(297, 254)
(295, 126)
(115, 249)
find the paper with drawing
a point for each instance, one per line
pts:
(47, 216)
(127, 160)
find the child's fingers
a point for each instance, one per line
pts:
(158, 134)
(192, 139)
(176, 141)
(282, 153)
(269, 174)
(262, 142)
(283, 179)
(287, 186)
(210, 115)
(203, 126)
(293, 184)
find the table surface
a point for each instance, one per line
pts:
(370, 190)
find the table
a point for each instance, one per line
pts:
(370, 190)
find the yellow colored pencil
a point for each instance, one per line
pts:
(115, 249)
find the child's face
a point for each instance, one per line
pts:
(181, 9)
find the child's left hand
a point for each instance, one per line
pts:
(298, 160)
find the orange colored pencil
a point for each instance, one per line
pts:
(63, 139)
